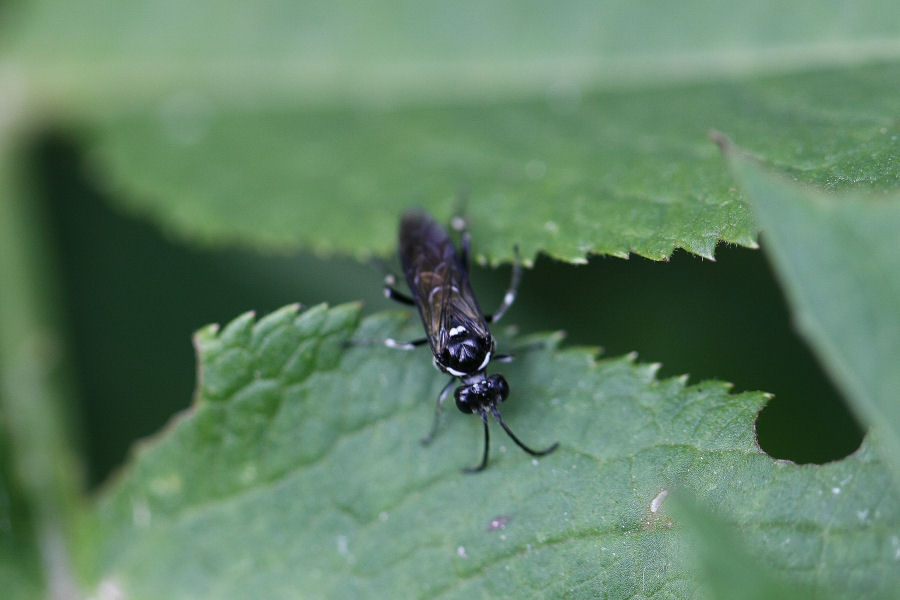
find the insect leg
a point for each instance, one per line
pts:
(437, 412)
(510, 296)
(392, 343)
(496, 412)
(465, 242)
(487, 445)
(393, 293)
(389, 342)
(506, 358)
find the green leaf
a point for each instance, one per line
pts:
(39, 472)
(728, 570)
(430, 50)
(20, 574)
(837, 258)
(623, 172)
(298, 472)
(571, 131)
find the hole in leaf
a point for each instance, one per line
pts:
(713, 320)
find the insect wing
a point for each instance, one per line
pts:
(437, 280)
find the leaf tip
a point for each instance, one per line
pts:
(205, 333)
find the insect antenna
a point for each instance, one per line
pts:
(496, 412)
(487, 445)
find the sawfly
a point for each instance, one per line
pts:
(456, 329)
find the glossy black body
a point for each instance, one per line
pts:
(455, 326)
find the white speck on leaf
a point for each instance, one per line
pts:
(343, 548)
(658, 500)
(461, 552)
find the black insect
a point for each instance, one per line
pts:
(456, 329)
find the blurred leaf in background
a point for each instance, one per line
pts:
(589, 118)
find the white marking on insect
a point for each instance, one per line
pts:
(509, 298)
(455, 373)
(457, 330)
(487, 359)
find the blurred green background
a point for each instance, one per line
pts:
(133, 297)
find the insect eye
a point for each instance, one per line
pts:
(462, 399)
(499, 384)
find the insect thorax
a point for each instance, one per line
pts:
(464, 353)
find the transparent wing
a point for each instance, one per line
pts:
(437, 280)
